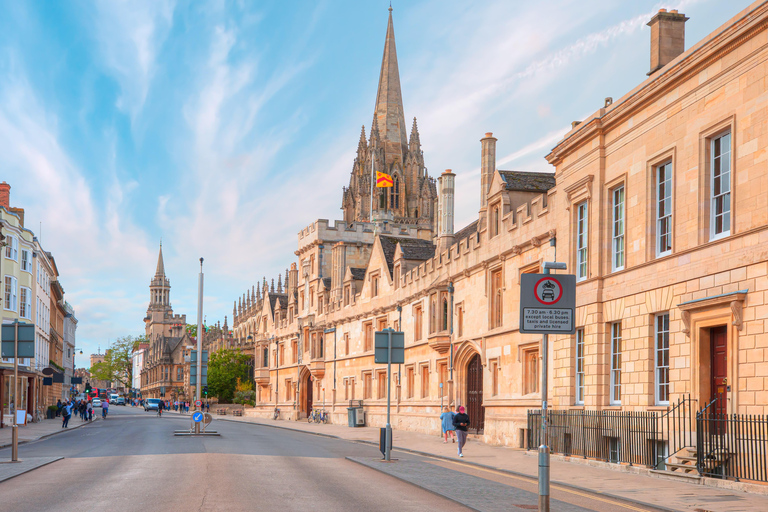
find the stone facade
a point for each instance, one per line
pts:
(657, 204)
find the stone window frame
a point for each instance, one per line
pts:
(495, 321)
(424, 373)
(366, 376)
(459, 307)
(495, 210)
(579, 367)
(368, 335)
(494, 370)
(381, 384)
(418, 321)
(531, 384)
(442, 368)
(374, 278)
(706, 136)
(657, 382)
(410, 380)
(661, 158)
(616, 355)
(577, 193)
(611, 187)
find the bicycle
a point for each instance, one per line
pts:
(159, 412)
(318, 416)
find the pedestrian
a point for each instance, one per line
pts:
(89, 408)
(446, 418)
(461, 422)
(59, 406)
(66, 412)
(208, 407)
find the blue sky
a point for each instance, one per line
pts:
(226, 127)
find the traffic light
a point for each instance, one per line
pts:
(88, 387)
(205, 390)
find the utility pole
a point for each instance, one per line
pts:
(199, 335)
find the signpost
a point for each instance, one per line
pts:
(389, 347)
(547, 306)
(18, 340)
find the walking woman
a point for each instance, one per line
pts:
(461, 422)
(446, 418)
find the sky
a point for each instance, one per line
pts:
(223, 128)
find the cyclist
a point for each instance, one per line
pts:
(160, 407)
(104, 409)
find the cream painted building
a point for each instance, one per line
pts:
(658, 204)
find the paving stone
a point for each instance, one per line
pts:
(11, 469)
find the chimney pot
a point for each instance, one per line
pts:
(667, 38)
(608, 101)
(489, 134)
(574, 124)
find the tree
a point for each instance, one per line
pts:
(225, 368)
(117, 366)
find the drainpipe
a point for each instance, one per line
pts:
(450, 335)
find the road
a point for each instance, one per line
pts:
(132, 462)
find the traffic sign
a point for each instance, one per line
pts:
(547, 303)
(26, 340)
(380, 350)
(197, 417)
(198, 403)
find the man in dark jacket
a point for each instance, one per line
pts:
(461, 422)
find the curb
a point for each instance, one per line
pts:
(620, 499)
(30, 469)
(50, 434)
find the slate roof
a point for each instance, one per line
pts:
(273, 300)
(172, 343)
(413, 249)
(358, 274)
(465, 232)
(528, 181)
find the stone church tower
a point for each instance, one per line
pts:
(412, 199)
(161, 325)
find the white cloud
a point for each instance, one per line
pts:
(130, 34)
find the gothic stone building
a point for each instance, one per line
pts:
(657, 204)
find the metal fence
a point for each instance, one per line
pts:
(631, 437)
(732, 446)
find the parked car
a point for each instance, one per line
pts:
(96, 402)
(120, 400)
(151, 404)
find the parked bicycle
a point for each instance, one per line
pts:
(318, 416)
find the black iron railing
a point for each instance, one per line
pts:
(631, 437)
(732, 446)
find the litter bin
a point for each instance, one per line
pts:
(360, 417)
(352, 416)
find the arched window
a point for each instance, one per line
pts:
(394, 195)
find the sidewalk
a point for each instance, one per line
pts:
(35, 431)
(629, 483)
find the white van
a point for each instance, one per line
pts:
(113, 398)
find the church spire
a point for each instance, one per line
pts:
(160, 272)
(389, 101)
(414, 141)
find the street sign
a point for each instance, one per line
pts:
(193, 379)
(194, 356)
(198, 403)
(197, 417)
(76, 380)
(547, 303)
(207, 418)
(26, 340)
(380, 347)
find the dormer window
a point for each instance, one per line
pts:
(375, 285)
(495, 219)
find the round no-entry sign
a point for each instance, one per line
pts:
(197, 417)
(548, 291)
(198, 403)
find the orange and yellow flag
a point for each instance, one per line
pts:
(383, 180)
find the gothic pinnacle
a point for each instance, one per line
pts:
(279, 283)
(272, 288)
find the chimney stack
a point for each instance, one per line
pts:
(667, 38)
(487, 167)
(447, 185)
(5, 195)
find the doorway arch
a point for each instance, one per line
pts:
(305, 390)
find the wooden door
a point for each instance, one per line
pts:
(308, 395)
(719, 351)
(475, 395)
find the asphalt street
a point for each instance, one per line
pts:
(131, 461)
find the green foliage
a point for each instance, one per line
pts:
(117, 366)
(245, 397)
(227, 368)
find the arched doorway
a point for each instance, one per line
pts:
(474, 398)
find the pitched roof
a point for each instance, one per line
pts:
(413, 249)
(528, 181)
(465, 232)
(273, 300)
(358, 274)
